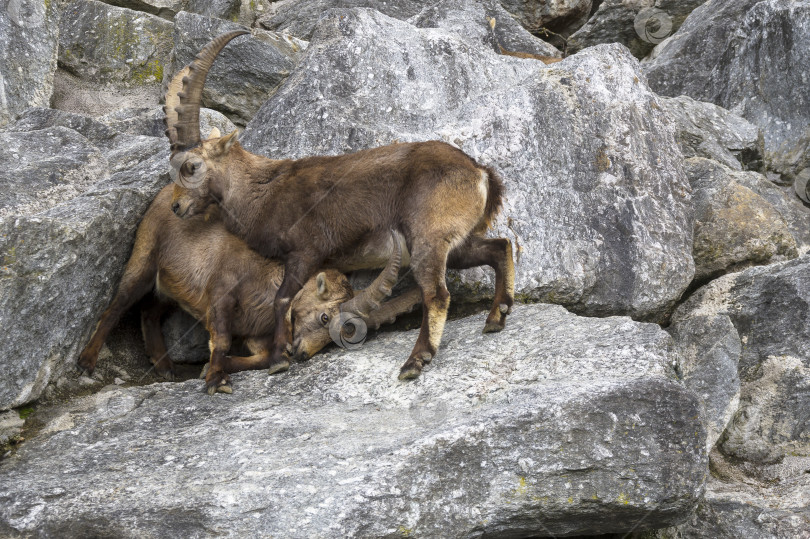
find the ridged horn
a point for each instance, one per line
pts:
(369, 300)
(187, 103)
(395, 307)
(170, 108)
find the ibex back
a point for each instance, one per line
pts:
(337, 211)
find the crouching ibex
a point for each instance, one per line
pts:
(337, 211)
(213, 275)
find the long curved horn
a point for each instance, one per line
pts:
(370, 298)
(389, 311)
(187, 103)
(170, 108)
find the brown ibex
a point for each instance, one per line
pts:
(218, 279)
(337, 211)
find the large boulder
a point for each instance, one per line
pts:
(742, 56)
(637, 24)
(769, 309)
(737, 505)
(300, 17)
(709, 348)
(74, 192)
(110, 58)
(475, 19)
(706, 130)
(734, 226)
(560, 17)
(166, 9)
(558, 425)
(246, 72)
(29, 34)
(468, 17)
(597, 204)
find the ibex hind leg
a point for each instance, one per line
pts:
(428, 268)
(152, 310)
(137, 281)
(261, 348)
(497, 254)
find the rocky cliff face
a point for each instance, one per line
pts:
(652, 378)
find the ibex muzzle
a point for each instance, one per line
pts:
(336, 211)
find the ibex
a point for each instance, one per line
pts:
(216, 277)
(336, 211)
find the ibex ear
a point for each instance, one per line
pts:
(215, 133)
(227, 141)
(320, 283)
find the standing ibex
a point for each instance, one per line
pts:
(219, 280)
(337, 211)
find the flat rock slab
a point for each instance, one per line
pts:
(558, 425)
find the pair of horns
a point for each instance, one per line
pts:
(184, 95)
(370, 299)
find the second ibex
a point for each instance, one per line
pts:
(338, 211)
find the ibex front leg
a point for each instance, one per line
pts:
(298, 268)
(429, 264)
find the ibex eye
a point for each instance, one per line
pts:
(324, 318)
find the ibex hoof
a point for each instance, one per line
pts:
(224, 386)
(279, 366)
(412, 369)
(493, 327)
(165, 369)
(204, 371)
(86, 365)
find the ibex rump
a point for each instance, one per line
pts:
(335, 211)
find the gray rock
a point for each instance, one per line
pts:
(769, 309)
(11, 426)
(95, 132)
(706, 130)
(734, 226)
(470, 18)
(87, 98)
(64, 239)
(29, 33)
(220, 9)
(637, 24)
(247, 71)
(709, 350)
(166, 9)
(774, 415)
(186, 339)
(796, 214)
(709, 176)
(111, 45)
(560, 16)
(300, 17)
(39, 169)
(742, 56)
(558, 425)
(597, 210)
(737, 505)
(793, 163)
(150, 121)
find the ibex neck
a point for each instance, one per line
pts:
(243, 196)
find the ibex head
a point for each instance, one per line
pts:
(198, 167)
(320, 312)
